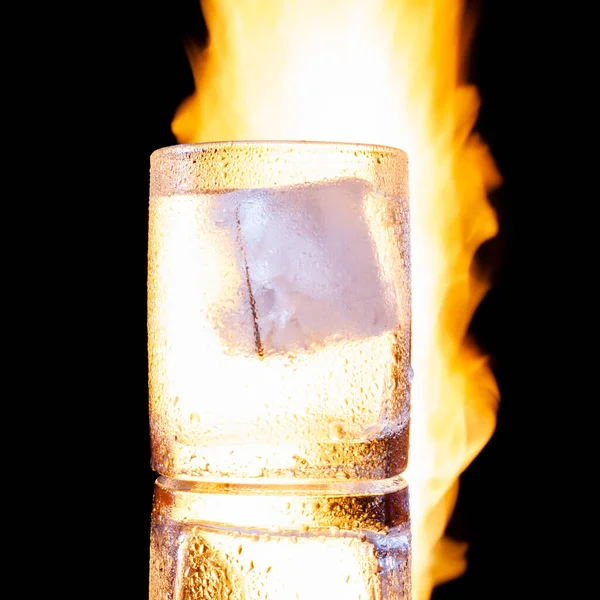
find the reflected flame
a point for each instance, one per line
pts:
(380, 72)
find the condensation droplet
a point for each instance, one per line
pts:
(336, 431)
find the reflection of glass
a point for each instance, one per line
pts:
(279, 350)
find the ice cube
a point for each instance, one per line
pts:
(309, 267)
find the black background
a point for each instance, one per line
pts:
(111, 80)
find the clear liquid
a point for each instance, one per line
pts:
(328, 397)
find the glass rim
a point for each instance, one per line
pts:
(274, 143)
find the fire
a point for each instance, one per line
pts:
(380, 72)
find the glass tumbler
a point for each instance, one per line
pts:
(279, 311)
(279, 339)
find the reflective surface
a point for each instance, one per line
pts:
(297, 543)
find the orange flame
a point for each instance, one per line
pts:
(380, 72)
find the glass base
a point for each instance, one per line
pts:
(372, 459)
(305, 542)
